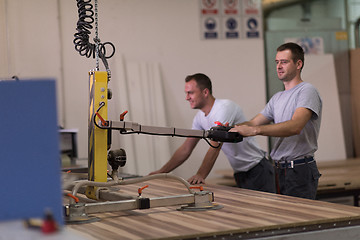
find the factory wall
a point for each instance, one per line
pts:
(157, 43)
(39, 43)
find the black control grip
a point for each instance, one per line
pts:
(221, 134)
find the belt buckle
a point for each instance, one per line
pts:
(291, 164)
(284, 165)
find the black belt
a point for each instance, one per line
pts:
(291, 164)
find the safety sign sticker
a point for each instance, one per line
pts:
(209, 7)
(252, 27)
(252, 7)
(211, 26)
(230, 19)
(230, 7)
(311, 45)
(232, 27)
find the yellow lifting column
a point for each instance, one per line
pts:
(98, 141)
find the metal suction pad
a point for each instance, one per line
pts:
(75, 214)
(200, 207)
(80, 220)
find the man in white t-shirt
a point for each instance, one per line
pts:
(251, 168)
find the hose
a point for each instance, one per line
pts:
(84, 25)
(117, 181)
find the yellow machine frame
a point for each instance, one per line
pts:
(98, 138)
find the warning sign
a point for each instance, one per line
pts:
(252, 7)
(232, 27)
(230, 19)
(252, 27)
(230, 7)
(209, 7)
(211, 27)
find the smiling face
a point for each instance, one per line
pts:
(195, 96)
(286, 68)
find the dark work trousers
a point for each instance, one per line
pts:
(260, 178)
(300, 181)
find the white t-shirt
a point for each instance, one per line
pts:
(243, 155)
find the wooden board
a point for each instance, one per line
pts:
(320, 71)
(355, 88)
(339, 174)
(244, 211)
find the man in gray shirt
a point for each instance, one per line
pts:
(296, 116)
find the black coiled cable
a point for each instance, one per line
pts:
(84, 24)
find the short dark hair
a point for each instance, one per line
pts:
(297, 51)
(202, 81)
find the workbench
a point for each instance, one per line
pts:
(245, 214)
(339, 178)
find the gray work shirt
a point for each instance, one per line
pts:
(281, 108)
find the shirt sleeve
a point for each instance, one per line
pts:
(197, 122)
(310, 99)
(268, 111)
(231, 113)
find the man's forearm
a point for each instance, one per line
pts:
(175, 161)
(247, 123)
(260, 125)
(180, 155)
(208, 162)
(284, 129)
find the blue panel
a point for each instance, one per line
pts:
(29, 150)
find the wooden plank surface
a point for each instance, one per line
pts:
(243, 211)
(339, 174)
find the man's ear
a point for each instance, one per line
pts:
(205, 91)
(299, 64)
